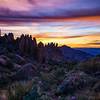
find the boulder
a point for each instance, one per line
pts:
(5, 62)
(27, 72)
(17, 59)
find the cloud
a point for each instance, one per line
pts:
(96, 42)
(59, 35)
(49, 8)
(15, 5)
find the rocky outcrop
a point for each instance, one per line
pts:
(6, 69)
(17, 59)
(27, 46)
(53, 53)
(5, 62)
(41, 53)
(15, 68)
(10, 37)
(27, 72)
(7, 43)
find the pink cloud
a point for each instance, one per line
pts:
(16, 5)
(50, 8)
(26, 5)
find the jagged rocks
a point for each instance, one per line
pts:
(53, 53)
(41, 53)
(10, 37)
(75, 81)
(27, 46)
(7, 43)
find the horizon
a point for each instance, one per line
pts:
(39, 40)
(75, 23)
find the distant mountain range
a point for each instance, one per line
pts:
(92, 51)
(74, 54)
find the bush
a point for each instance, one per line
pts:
(90, 66)
(18, 90)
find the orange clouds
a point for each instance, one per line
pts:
(74, 32)
(74, 41)
(82, 18)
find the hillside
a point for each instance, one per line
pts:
(74, 55)
(92, 51)
(34, 71)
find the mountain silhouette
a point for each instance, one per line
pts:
(25, 45)
(73, 54)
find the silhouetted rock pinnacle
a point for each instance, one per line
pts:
(41, 53)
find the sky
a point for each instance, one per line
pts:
(75, 23)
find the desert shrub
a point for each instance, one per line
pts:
(32, 95)
(90, 66)
(18, 90)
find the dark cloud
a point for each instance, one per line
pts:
(32, 1)
(35, 9)
(96, 42)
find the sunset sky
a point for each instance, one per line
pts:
(75, 23)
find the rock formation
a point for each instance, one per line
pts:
(53, 53)
(27, 72)
(41, 53)
(27, 45)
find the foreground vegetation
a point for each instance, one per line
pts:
(44, 85)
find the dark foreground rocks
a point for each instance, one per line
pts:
(13, 67)
(27, 72)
